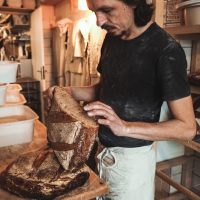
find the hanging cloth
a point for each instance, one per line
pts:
(60, 36)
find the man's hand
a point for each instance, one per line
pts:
(106, 116)
(48, 95)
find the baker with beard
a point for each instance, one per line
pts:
(141, 66)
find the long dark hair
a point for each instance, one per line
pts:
(143, 11)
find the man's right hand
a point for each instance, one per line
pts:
(48, 95)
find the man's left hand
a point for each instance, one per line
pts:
(107, 116)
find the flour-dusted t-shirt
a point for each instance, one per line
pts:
(137, 76)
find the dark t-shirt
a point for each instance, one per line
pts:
(137, 76)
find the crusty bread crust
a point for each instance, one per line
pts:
(39, 175)
(71, 133)
(68, 105)
(53, 172)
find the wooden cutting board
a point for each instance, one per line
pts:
(93, 188)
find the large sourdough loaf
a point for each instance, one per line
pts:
(71, 133)
(39, 175)
(52, 172)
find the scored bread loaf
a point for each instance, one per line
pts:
(71, 133)
(39, 175)
(57, 170)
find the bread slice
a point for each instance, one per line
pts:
(39, 175)
(71, 133)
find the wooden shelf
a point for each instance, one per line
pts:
(19, 28)
(7, 9)
(163, 171)
(192, 32)
(18, 41)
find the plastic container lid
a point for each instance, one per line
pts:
(14, 87)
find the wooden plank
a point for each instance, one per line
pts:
(94, 187)
(178, 186)
(176, 196)
(162, 188)
(183, 30)
(195, 61)
(159, 10)
(159, 192)
(186, 178)
(192, 144)
(172, 162)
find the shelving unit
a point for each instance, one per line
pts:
(191, 33)
(7, 9)
(31, 91)
(186, 189)
(184, 30)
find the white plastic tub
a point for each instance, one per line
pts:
(8, 71)
(3, 88)
(16, 125)
(191, 11)
(13, 88)
(15, 99)
(13, 96)
(13, 93)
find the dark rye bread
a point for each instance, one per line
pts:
(39, 175)
(53, 172)
(71, 133)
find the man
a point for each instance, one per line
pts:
(141, 66)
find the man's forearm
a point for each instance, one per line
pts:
(169, 130)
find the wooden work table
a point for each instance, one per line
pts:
(94, 187)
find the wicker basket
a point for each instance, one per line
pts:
(14, 3)
(30, 4)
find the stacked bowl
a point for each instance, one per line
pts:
(8, 73)
(16, 119)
